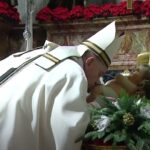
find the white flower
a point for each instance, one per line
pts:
(102, 123)
(145, 111)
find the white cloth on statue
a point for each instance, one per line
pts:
(44, 110)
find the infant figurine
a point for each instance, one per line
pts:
(127, 83)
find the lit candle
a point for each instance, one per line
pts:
(129, 4)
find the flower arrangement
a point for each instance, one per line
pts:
(140, 8)
(123, 122)
(8, 12)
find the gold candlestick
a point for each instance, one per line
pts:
(129, 4)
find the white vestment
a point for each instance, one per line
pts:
(44, 110)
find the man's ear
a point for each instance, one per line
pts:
(89, 60)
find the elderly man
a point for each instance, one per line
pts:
(43, 93)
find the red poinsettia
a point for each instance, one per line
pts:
(60, 14)
(107, 10)
(77, 12)
(44, 15)
(137, 10)
(88, 14)
(93, 11)
(9, 12)
(122, 9)
(146, 8)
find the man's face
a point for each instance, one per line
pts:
(94, 69)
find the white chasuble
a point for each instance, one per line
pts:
(44, 110)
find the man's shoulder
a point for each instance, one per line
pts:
(70, 67)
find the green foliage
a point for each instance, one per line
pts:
(95, 135)
(122, 121)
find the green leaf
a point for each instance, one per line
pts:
(140, 143)
(125, 101)
(130, 141)
(89, 135)
(146, 146)
(132, 146)
(106, 111)
(118, 115)
(135, 136)
(145, 127)
(94, 135)
(111, 128)
(108, 103)
(108, 138)
(100, 135)
(119, 136)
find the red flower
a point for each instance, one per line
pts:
(88, 14)
(9, 12)
(94, 11)
(137, 7)
(115, 11)
(146, 8)
(106, 9)
(60, 13)
(44, 14)
(122, 9)
(4, 5)
(77, 12)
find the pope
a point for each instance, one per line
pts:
(43, 92)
